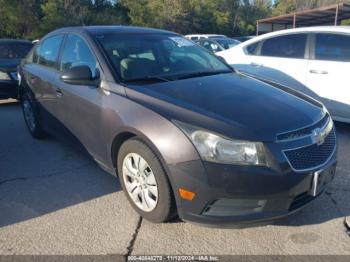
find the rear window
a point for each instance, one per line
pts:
(14, 50)
(332, 47)
(288, 46)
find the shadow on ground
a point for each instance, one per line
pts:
(41, 176)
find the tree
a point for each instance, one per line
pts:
(34, 18)
(20, 18)
(61, 13)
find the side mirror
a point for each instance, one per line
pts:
(80, 75)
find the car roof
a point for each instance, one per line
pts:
(223, 38)
(311, 29)
(204, 35)
(318, 29)
(117, 29)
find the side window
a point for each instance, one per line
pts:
(252, 48)
(76, 52)
(332, 47)
(289, 46)
(49, 50)
(33, 57)
(211, 46)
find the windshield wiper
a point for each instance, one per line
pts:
(201, 73)
(147, 78)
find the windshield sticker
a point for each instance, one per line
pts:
(180, 41)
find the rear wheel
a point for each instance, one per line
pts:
(145, 182)
(30, 114)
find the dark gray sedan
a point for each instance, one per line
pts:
(184, 132)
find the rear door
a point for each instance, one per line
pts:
(41, 72)
(284, 54)
(328, 69)
(80, 106)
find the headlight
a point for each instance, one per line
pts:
(4, 76)
(215, 148)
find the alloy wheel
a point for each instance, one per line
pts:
(140, 182)
(29, 114)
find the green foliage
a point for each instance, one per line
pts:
(20, 18)
(34, 18)
(284, 7)
(198, 16)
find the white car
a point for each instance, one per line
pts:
(314, 60)
(203, 36)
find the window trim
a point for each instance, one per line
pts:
(98, 67)
(55, 69)
(313, 46)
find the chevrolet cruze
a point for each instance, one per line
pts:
(185, 133)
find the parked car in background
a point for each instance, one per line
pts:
(184, 132)
(11, 53)
(316, 57)
(243, 38)
(203, 36)
(217, 44)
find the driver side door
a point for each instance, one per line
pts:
(79, 106)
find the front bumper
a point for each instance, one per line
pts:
(8, 89)
(236, 196)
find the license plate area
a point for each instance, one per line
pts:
(320, 180)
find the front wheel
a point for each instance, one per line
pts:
(31, 117)
(145, 182)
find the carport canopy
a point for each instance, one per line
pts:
(329, 15)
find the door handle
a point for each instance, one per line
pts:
(59, 92)
(318, 72)
(256, 64)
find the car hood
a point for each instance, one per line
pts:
(9, 65)
(234, 105)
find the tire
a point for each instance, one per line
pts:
(31, 116)
(165, 207)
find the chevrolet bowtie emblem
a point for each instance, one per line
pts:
(318, 136)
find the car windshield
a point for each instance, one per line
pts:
(13, 50)
(227, 43)
(158, 57)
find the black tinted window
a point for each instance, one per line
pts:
(76, 52)
(290, 46)
(252, 48)
(49, 50)
(332, 47)
(13, 50)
